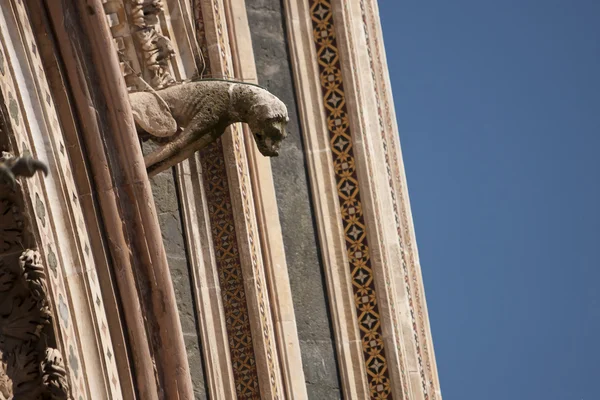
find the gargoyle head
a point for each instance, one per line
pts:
(267, 122)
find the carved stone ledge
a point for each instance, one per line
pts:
(187, 117)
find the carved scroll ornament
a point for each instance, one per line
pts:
(187, 117)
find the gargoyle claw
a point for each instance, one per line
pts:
(28, 166)
(25, 166)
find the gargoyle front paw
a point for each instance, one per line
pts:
(25, 166)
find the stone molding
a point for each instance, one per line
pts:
(121, 185)
(242, 203)
(360, 98)
(409, 322)
(197, 180)
(269, 227)
(83, 179)
(304, 61)
(57, 223)
(234, 162)
(412, 277)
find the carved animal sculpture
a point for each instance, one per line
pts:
(198, 113)
(12, 167)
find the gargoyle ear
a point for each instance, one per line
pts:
(152, 115)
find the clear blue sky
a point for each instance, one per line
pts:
(498, 104)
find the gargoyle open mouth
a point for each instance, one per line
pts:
(269, 135)
(268, 146)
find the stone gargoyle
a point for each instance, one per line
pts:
(187, 117)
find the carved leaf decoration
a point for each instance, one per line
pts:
(11, 225)
(25, 371)
(7, 278)
(25, 319)
(6, 386)
(34, 274)
(23, 368)
(145, 14)
(54, 375)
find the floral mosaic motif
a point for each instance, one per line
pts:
(52, 262)
(73, 361)
(63, 310)
(352, 218)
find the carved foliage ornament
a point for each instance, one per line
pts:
(29, 368)
(156, 48)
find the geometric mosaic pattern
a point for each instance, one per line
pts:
(357, 247)
(245, 190)
(230, 272)
(231, 280)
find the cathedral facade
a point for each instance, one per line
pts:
(204, 199)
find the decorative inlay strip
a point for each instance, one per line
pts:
(218, 198)
(242, 182)
(230, 272)
(350, 201)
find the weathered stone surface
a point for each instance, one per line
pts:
(295, 210)
(189, 116)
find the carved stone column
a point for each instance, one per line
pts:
(120, 179)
